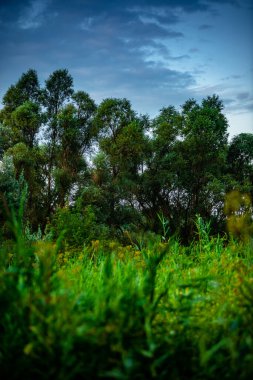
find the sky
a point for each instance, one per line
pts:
(155, 53)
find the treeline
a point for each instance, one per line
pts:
(101, 170)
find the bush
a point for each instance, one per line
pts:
(76, 228)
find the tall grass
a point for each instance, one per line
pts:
(165, 311)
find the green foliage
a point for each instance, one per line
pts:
(112, 115)
(127, 167)
(26, 89)
(159, 312)
(240, 161)
(58, 89)
(26, 122)
(165, 226)
(11, 189)
(76, 228)
(86, 108)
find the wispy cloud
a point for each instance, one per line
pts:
(205, 27)
(87, 23)
(243, 95)
(193, 50)
(32, 16)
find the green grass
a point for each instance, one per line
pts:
(162, 312)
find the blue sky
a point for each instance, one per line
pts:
(155, 53)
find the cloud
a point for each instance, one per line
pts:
(238, 103)
(205, 27)
(243, 105)
(137, 49)
(243, 95)
(193, 50)
(87, 23)
(32, 16)
(234, 76)
(228, 102)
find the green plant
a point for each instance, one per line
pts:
(165, 225)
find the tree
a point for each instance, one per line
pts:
(69, 157)
(122, 140)
(20, 116)
(188, 160)
(26, 121)
(201, 157)
(75, 133)
(112, 115)
(47, 132)
(240, 161)
(6, 138)
(26, 89)
(158, 180)
(21, 119)
(28, 163)
(11, 189)
(85, 112)
(57, 91)
(179, 164)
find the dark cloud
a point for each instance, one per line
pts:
(244, 102)
(235, 76)
(30, 13)
(243, 95)
(240, 103)
(249, 106)
(112, 48)
(240, 108)
(228, 102)
(109, 37)
(194, 50)
(205, 27)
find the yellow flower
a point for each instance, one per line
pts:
(28, 348)
(112, 245)
(76, 269)
(81, 257)
(95, 244)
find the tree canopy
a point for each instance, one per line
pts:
(117, 168)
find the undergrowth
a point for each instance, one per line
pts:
(122, 312)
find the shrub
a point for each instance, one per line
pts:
(76, 228)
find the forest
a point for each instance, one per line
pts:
(102, 169)
(126, 247)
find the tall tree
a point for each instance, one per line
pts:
(159, 177)
(202, 155)
(58, 90)
(26, 89)
(26, 121)
(112, 115)
(74, 137)
(183, 173)
(21, 116)
(121, 139)
(85, 113)
(21, 119)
